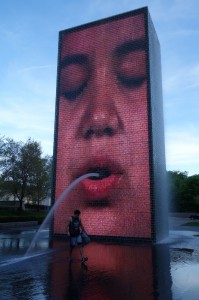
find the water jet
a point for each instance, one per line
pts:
(54, 207)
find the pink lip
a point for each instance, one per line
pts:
(101, 188)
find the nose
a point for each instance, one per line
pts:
(101, 116)
(102, 121)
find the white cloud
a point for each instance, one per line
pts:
(185, 32)
(182, 150)
(185, 77)
(34, 80)
(35, 68)
(23, 116)
(12, 37)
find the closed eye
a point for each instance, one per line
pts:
(129, 63)
(131, 82)
(74, 76)
(72, 94)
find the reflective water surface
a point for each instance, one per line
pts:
(169, 270)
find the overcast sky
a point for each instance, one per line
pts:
(28, 64)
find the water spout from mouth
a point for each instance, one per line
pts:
(102, 173)
(56, 204)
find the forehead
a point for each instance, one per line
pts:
(103, 36)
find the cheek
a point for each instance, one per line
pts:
(70, 145)
(133, 108)
(69, 117)
(67, 127)
(134, 114)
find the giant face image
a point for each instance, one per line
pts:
(102, 125)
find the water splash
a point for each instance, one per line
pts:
(56, 204)
(15, 260)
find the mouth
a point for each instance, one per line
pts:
(103, 172)
(101, 187)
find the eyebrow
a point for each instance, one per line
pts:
(73, 59)
(130, 46)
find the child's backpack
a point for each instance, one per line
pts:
(74, 226)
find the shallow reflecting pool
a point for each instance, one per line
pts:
(129, 271)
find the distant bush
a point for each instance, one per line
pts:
(21, 216)
(35, 207)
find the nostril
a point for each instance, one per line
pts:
(108, 131)
(89, 133)
(98, 132)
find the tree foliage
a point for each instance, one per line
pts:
(183, 191)
(24, 173)
(40, 183)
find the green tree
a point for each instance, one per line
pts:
(9, 157)
(41, 181)
(191, 193)
(176, 184)
(23, 170)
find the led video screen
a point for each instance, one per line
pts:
(102, 126)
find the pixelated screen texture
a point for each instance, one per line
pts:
(103, 125)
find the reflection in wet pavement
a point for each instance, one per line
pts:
(133, 271)
(185, 273)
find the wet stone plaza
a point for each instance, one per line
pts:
(168, 270)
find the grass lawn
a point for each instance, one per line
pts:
(191, 224)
